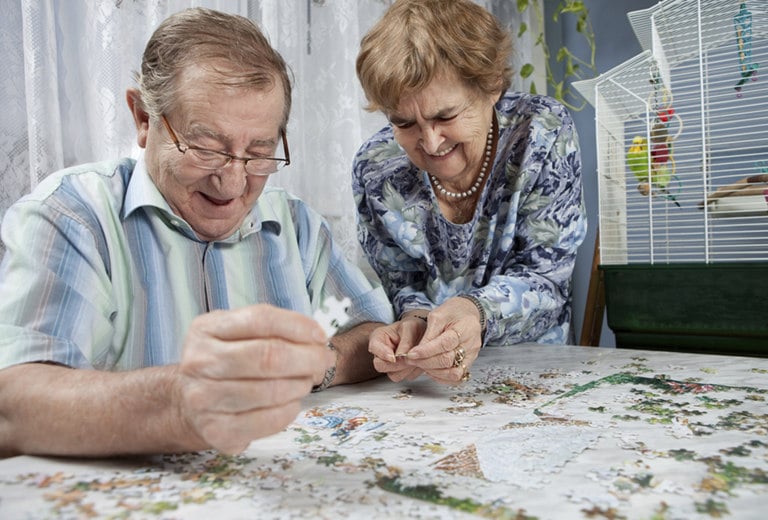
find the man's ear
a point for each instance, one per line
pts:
(140, 117)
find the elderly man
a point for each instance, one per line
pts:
(163, 304)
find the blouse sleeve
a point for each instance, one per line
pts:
(528, 298)
(390, 234)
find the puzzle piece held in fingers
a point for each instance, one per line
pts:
(332, 315)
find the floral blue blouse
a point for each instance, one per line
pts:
(517, 253)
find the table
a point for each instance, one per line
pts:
(538, 432)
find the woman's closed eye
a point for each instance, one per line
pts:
(404, 125)
(400, 123)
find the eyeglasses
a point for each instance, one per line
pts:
(214, 160)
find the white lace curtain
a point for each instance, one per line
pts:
(68, 64)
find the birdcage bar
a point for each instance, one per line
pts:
(704, 97)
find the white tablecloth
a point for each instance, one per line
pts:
(538, 432)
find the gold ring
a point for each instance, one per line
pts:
(466, 375)
(458, 357)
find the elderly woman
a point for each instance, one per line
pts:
(470, 200)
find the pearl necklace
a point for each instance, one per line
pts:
(476, 185)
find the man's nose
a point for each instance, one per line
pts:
(231, 179)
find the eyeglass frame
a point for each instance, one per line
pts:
(184, 147)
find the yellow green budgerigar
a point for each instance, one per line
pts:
(658, 159)
(640, 158)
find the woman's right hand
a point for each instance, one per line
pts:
(390, 343)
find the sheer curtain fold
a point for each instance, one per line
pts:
(14, 144)
(319, 40)
(67, 65)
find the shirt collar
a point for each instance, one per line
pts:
(142, 192)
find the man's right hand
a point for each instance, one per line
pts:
(244, 372)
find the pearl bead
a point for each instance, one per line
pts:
(476, 185)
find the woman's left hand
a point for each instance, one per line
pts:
(389, 342)
(451, 342)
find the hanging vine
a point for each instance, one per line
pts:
(575, 67)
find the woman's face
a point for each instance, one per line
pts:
(443, 129)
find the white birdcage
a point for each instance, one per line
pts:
(682, 151)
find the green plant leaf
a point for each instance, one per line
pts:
(559, 90)
(526, 70)
(521, 30)
(522, 5)
(532, 90)
(574, 6)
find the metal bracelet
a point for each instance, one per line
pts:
(480, 310)
(419, 316)
(329, 374)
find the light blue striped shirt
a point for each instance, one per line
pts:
(99, 273)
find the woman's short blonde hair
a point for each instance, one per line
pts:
(416, 40)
